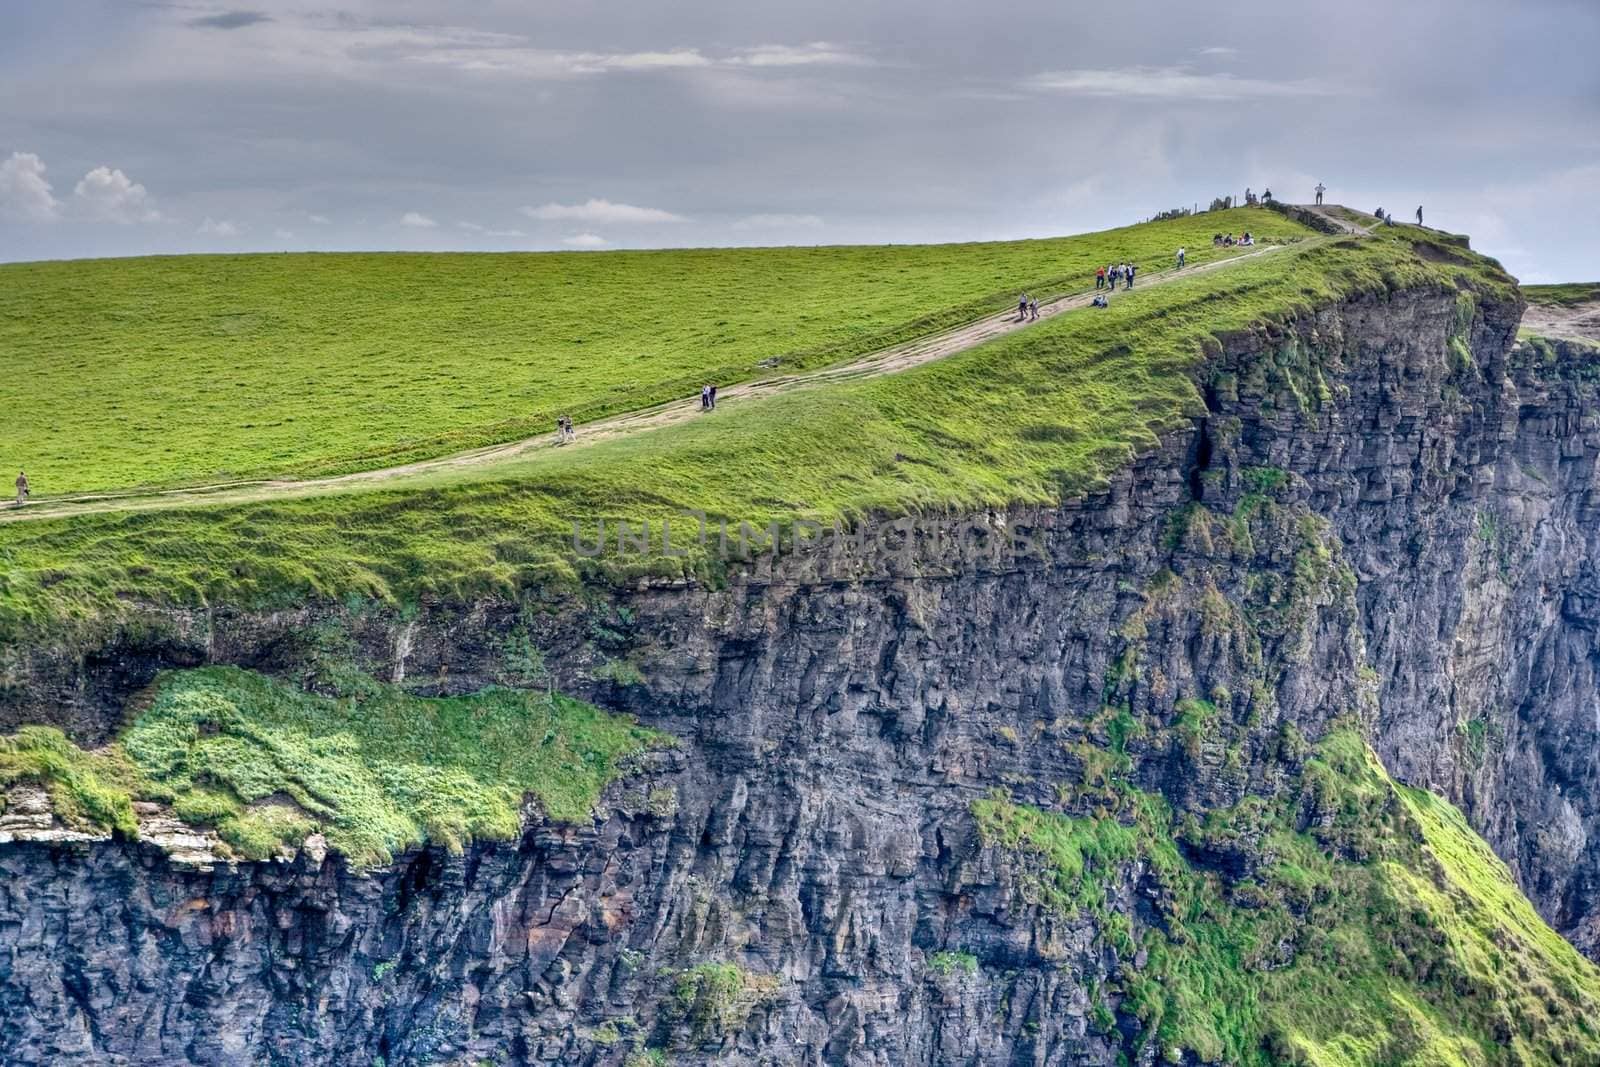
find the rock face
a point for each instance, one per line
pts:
(801, 881)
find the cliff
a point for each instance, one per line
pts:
(937, 810)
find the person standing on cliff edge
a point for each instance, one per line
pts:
(1320, 190)
(1419, 214)
(22, 488)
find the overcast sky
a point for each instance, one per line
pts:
(132, 127)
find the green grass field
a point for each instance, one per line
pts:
(1036, 416)
(1569, 294)
(181, 370)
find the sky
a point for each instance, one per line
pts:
(131, 127)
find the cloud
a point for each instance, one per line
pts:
(282, 234)
(218, 228)
(107, 193)
(778, 222)
(473, 227)
(817, 53)
(320, 220)
(417, 221)
(542, 63)
(1219, 50)
(1170, 83)
(603, 211)
(230, 20)
(584, 240)
(24, 191)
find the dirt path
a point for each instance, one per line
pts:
(1335, 214)
(886, 361)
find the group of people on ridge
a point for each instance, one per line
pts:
(1107, 277)
(708, 398)
(1027, 308)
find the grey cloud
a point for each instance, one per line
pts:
(230, 20)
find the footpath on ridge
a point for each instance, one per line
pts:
(885, 361)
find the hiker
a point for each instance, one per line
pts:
(1180, 258)
(1388, 220)
(1133, 268)
(22, 488)
(1113, 272)
(705, 398)
(1216, 240)
(1249, 197)
(713, 398)
(1100, 301)
(1419, 214)
(1100, 278)
(1319, 191)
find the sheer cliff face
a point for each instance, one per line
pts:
(1427, 574)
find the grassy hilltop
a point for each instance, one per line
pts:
(1567, 294)
(191, 369)
(1035, 416)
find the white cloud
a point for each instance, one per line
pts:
(473, 227)
(1219, 50)
(24, 191)
(817, 53)
(603, 211)
(778, 222)
(218, 228)
(107, 193)
(320, 220)
(282, 234)
(1171, 83)
(417, 221)
(584, 240)
(541, 63)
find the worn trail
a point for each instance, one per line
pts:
(885, 361)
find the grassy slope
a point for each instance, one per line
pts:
(1036, 416)
(375, 769)
(122, 373)
(1411, 944)
(1570, 294)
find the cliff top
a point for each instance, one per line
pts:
(1034, 416)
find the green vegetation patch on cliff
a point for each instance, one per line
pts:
(187, 369)
(1037, 416)
(1371, 926)
(375, 769)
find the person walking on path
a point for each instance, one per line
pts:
(1100, 278)
(1419, 214)
(1022, 307)
(1133, 268)
(1319, 191)
(1033, 310)
(705, 398)
(713, 398)
(22, 488)
(1181, 255)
